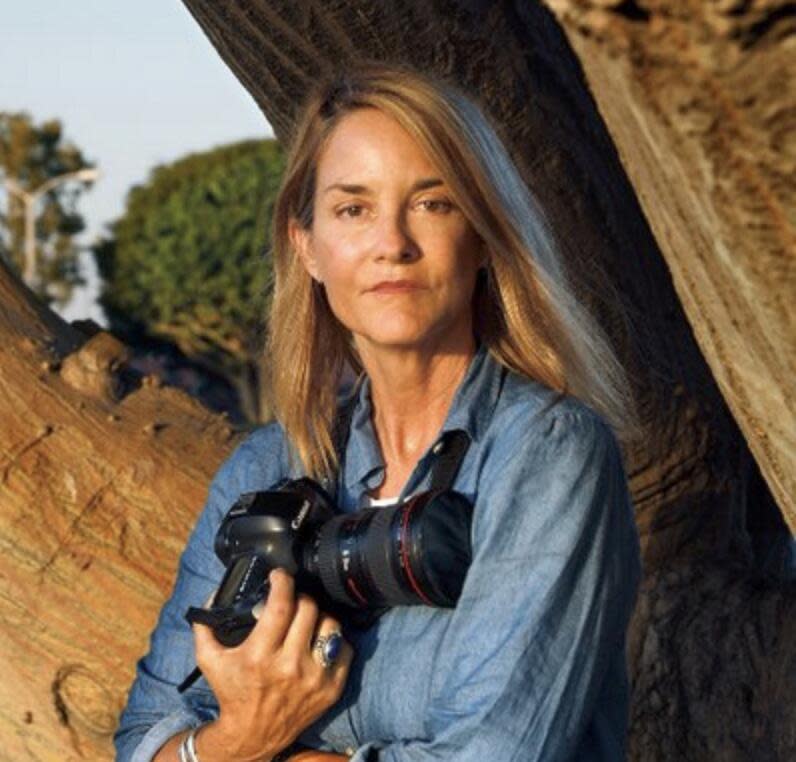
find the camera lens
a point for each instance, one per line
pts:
(413, 553)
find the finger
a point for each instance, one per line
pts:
(327, 626)
(338, 671)
(302, 629)
(274, 621)
(205, 643)
(343, 662)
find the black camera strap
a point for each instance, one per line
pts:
(450, 452)
(342, 428)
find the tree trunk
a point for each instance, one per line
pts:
(687, 264)
(101, 476)
(690, 94)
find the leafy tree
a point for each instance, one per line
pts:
(30, 156)
(186, 261)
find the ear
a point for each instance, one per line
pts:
(300, 241)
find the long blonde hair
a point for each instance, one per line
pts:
(524, 310)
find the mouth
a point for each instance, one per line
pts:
(395, 287)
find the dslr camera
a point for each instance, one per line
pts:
(355, 565)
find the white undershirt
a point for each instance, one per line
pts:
(377, 502)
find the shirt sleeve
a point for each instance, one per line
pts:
(545, 604)
(155, 710)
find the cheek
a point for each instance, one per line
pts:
(461, 268)
(463, 290)
(337, 270)
(339, 277)
(335, 262)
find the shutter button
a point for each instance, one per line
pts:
(438, 448)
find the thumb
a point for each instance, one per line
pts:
(208, 649)
(204, 639)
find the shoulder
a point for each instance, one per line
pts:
(264, 440)
(531, 418)
(551, 469)
(258, 461)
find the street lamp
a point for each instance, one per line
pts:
(29, 199)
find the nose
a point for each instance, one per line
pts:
(394, 243)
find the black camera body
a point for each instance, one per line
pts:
(355, 565)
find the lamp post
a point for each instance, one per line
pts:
(29, 199)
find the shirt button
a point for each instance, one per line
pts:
(349, 751)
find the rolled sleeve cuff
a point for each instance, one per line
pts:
(160, 732)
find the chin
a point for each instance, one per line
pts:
(406, 339)
(405, 331)
(397, 341)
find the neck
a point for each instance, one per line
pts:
(411, 392)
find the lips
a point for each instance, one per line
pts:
(395, 287)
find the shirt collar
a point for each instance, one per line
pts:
(471, 411)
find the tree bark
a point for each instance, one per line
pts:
(687, 267)
(689, 92)
(101, 476)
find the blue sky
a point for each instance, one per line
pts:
(135, 84)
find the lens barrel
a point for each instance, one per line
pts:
(413, 553)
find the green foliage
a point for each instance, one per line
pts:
(186, 261)
(29, 156)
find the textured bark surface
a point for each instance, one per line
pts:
(713, 663)
(101, 473)
(699, 99)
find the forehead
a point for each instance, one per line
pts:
(369, 141)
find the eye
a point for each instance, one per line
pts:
(436, 205)
(350, 211)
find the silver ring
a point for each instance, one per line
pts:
(328, 647)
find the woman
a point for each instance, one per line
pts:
(407, 247)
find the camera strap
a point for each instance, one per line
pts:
(449, 451)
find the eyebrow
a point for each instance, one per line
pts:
(423, 184)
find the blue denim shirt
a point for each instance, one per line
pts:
(530, 665)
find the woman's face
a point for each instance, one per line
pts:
(396, 256)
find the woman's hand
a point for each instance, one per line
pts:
(271, 686)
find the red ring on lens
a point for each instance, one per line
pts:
(405, 551)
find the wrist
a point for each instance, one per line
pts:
(216, 741)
